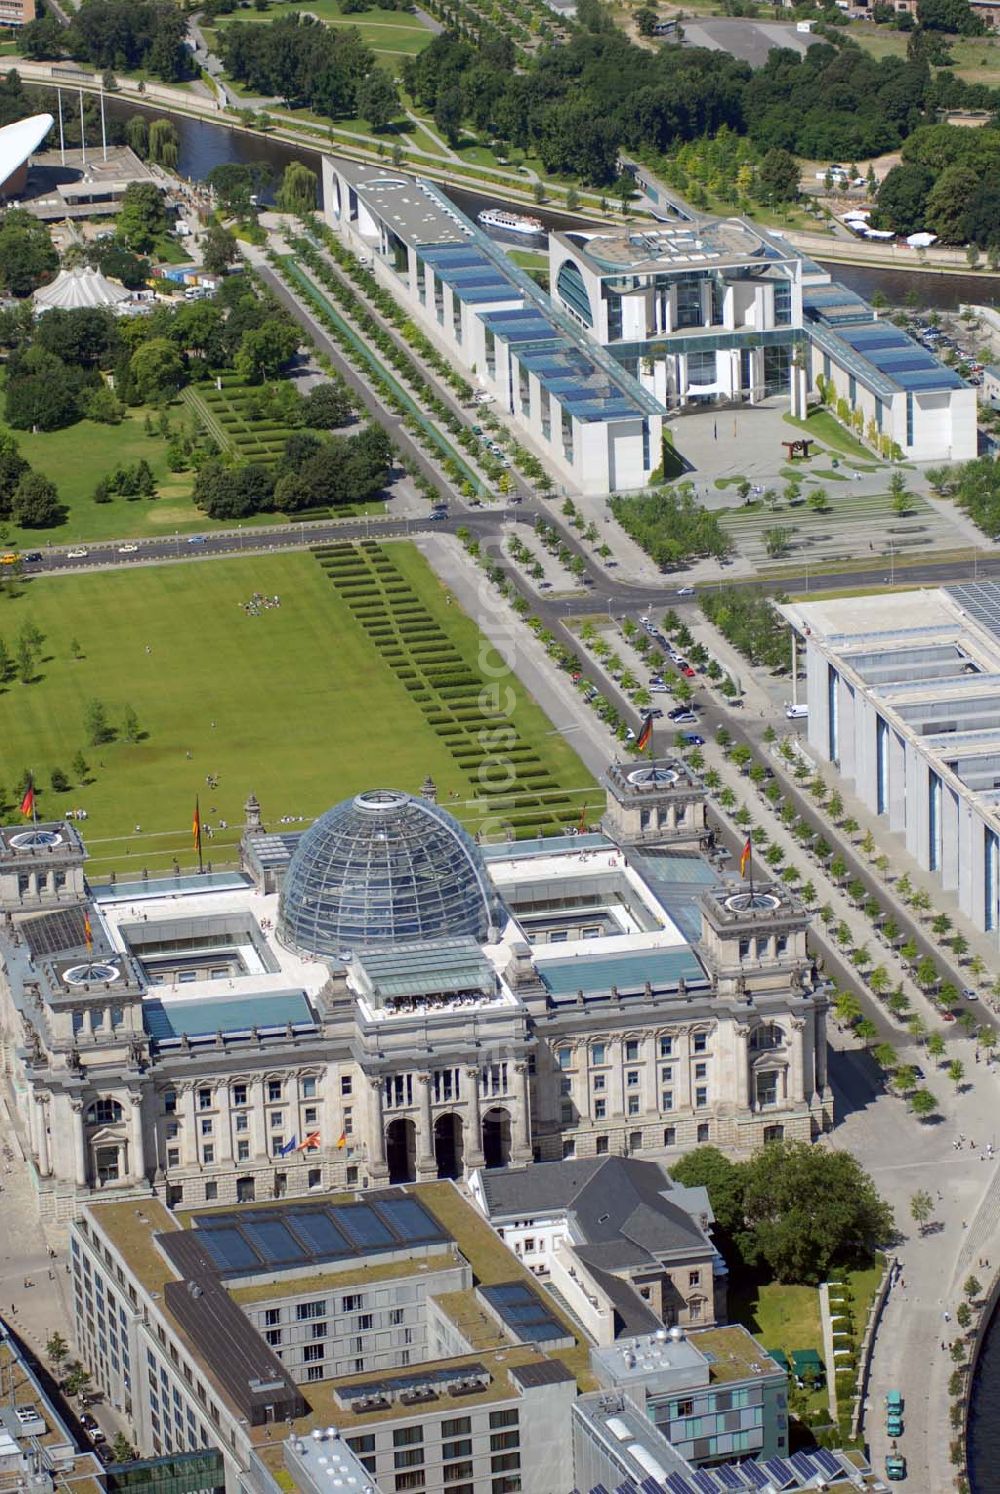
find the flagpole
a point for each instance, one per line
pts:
(34, 799)
(750, 866)
(197, 820)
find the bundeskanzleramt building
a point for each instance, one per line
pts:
(379, 1000)
(903, 697)
(719, 310)
(595, 425)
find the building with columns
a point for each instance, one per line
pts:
(380, 1000)
(903, 700)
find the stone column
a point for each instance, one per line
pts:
(79, 1147)
(137, 1141)
(426, 1159)
(819, 1047)
(474, 1145)
(189, 1129)
(745, 1096)
(376, 1128)
(224, 1135)
(795, 1077)
(41, 1137)
(520, 1117)
(258, 1122)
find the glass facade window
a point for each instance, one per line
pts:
(573, 294)
(782, 303)
(384, 869)
(689, 304)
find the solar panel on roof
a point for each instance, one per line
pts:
(704, 1482)
(229, 1249)
(362, 1226)
(318, 1232)
(729, 1477)
(779, 1472)
(409, 1220)
(650, 1486)
(828, 1464)
(676, 1484)
(755, 1474)
(274, 1242)
(803, 1465)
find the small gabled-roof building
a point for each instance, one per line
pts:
(628, 1249)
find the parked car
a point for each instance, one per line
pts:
(196, 539)
(33, 557)
(684, 718)
(77, 554)
(88, 1423)
(127, 549)
(970, 994)
(685, 591)
(894, 1426)
(692, 739)
(893, 1398)
(895, 1468)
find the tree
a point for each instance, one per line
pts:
(936, 1045)
(948, 203)
(866, 1030)
(707, 1167)
(56, 1351)
(299, 190)
(645, 20)
(27, 256)
(963, 1315)
(904, 1079)
(59, 781)
(377, 99)
(157, 369)
(921, 1209)
(972, 1288)
(264, 350)
(81, 769)
(902, 197)
(95, 721)
(778, 176)
(142, 217)
(810, 1209)
(956, 16)
(122, 1448)
(130, 725)
(35, 504)
(847, 1008)
(77, 1379)
(956, 1071)
(900, 500)
(923, 1103)
(926, 973)
(218, 249)
(449, 112)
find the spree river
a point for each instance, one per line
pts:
(204, 144)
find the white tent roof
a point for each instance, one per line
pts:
(80, 286)
(18, 140)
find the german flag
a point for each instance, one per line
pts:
(745, 856)
(28, 802)
(88, 933)
(341, 1141)
(645, 733)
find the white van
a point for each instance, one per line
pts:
(796, 712)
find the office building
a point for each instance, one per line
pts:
(599, 430)
(706, 310)
(903, 698)
(389, 1341)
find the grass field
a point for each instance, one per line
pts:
(296, 704)
(75, 458)
(393, 35)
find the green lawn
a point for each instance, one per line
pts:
(822, 426)
(782, 1317)
(75, 458)
(393, 35)
(296, 704)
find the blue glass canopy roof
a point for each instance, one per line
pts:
(380, 870)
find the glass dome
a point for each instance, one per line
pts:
(384, 869)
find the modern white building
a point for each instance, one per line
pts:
(379, 999)
(716, 310)
(599, 430)
(904, 697)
